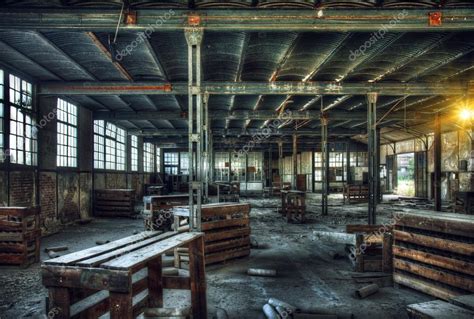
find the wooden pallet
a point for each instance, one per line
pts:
(354, 193)
(114, 202)
(228, 192)
(226, 227)
(19, 236)
(122, 278)
(434, 253)
(438, 309)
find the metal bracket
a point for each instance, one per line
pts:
(194, 35)
(196, 185)
(195, 90)
(195, 137)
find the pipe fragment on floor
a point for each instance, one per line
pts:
(270, 312)
(261, 272)
(366, 291)
(55, 249)
(278, 303)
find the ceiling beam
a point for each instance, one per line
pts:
(255, 88)
(254, 115)
(319, 20)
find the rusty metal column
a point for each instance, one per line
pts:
(372, 154)
(437, 163)
(269, 166)
(295, 160)
(195, 118)
(325, 164)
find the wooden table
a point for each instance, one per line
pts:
(157, 210)
(293, 205)
(123, 277)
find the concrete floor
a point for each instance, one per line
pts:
(307, 276)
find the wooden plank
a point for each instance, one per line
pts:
(155, 284)
(433, 242)
(449, 223)
(466, 301)
(387, 252)
(91, 262)
(206, 226)
(362, 228)
(176, 282)
(197, 274)
(121, 305)
(435, 260)
(227, 254)
(224, 245)
(87, 278)
(94, 251)
(91, 306)
(59, 302)
(425, 286)
(19, 211)
(438, 309)
(433, 274)
(145, 254)
(232, 233)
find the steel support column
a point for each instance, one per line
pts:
(377, 159)
(269, 166)
(372, 153)
(295, 160)
(437, 163)
(280, 160)
(325, 164)
(206, 153)
(195, 123)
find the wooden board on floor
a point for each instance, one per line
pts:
(438, 310)
(465, 301)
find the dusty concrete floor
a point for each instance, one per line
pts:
(307, 276)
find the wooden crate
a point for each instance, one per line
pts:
(19, 235)
(354, 193)
(228, 192)
(122, 278)
(438, 309)
(226, 227)
(434, 253)
(158, 210)
(293, 205)
(114, 202)
(372, 250)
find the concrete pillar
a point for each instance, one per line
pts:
(295, 160)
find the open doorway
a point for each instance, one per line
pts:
(406, 174)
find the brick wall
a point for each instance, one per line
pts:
(22, 188)
(48, 202)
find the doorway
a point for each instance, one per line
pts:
(406, 174)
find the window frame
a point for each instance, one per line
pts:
(110, 146)
(67, 130)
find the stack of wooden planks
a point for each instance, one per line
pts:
(19, 235)
(354, 193)
(123, 278)
(228, 192)
(114, 202)
(434, 253)
(226, 227)
(157, 210)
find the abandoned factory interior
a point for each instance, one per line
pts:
(242, 159)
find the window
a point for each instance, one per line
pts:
(158, 159)
(237, 167)
(221, 166)
(99, 144)
(171, 161)
(134, 153)
(109, 146)
(184, 163)
(148, 157)
(2, 150)
(318, 164)
(255, 167)
(23, 143)
(67, 134)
